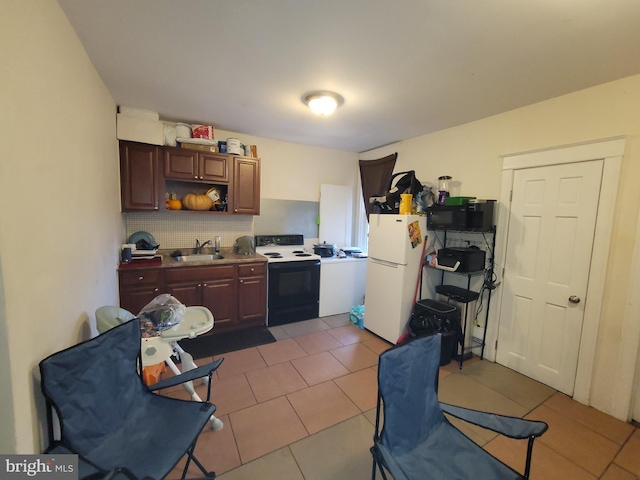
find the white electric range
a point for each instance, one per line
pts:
(293, 291)
(283, 248)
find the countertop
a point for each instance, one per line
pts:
(230, 257)
(342, 260)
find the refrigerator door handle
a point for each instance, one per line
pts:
(384, 263)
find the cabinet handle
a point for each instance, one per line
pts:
(236, 210)
(252, 269)
(196, 177)
(241, 281)
(204, 284)
(140, 277)
(201, 177)
(156, 289)
(199, 285)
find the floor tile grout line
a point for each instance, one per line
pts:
(584, 424)
(531, 409)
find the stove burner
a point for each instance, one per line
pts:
(298, 251)
(273, 255)
(303, 254)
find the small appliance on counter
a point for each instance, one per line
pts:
(244, 245)
(444, 183)
(324, 249)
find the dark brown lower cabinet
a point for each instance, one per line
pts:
(212, 287)
(139, 287)
(252, 293)
(236, 294)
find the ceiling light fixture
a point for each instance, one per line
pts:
(322, 103)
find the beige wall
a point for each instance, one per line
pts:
(60, 223)
(295, 172)
(471, 155)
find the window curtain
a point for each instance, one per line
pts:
(375, 176)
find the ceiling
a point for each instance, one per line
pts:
(404, 68)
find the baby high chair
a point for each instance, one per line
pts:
(154, 350)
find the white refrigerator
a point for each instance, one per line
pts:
(393, 268)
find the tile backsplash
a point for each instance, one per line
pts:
(180, 230)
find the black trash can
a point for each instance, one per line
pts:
(431, 317)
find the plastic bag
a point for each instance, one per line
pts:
(356, 316)
(161, 313)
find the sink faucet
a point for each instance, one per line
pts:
(200, 247)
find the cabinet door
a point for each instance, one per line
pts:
(187, 293)
(220, 296)
(181, 164)
(252, 300)
(139, 176)
(213, 167)
(135, 299)
(138, 287)
(246, 185)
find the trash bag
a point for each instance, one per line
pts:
(159, 314)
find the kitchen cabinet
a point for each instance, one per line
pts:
(138, 287)
(140, 182)
(342, 284)
(193, 165)
(147, 172)
(245, 192)
(212, 287)
(252, 293)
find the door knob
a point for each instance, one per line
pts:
(574, 299)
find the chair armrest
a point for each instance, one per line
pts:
(513, 427)
(199, 372)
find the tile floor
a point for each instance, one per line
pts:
(304, 408)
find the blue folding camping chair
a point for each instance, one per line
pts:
(417, 441)
(111, 419)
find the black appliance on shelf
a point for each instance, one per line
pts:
(468, 259)
(477, 215)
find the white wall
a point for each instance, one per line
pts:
(60, 223)
(291, 171)
(471, 154)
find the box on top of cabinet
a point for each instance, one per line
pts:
(139, 130)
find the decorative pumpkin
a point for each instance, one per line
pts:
(173, 203)
(193, 201)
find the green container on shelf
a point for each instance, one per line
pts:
(457, 200)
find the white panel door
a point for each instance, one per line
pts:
(549, 247)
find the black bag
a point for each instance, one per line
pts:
(390, 202)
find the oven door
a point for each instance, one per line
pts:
(294, 291)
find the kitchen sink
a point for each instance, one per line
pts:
(198, 258)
